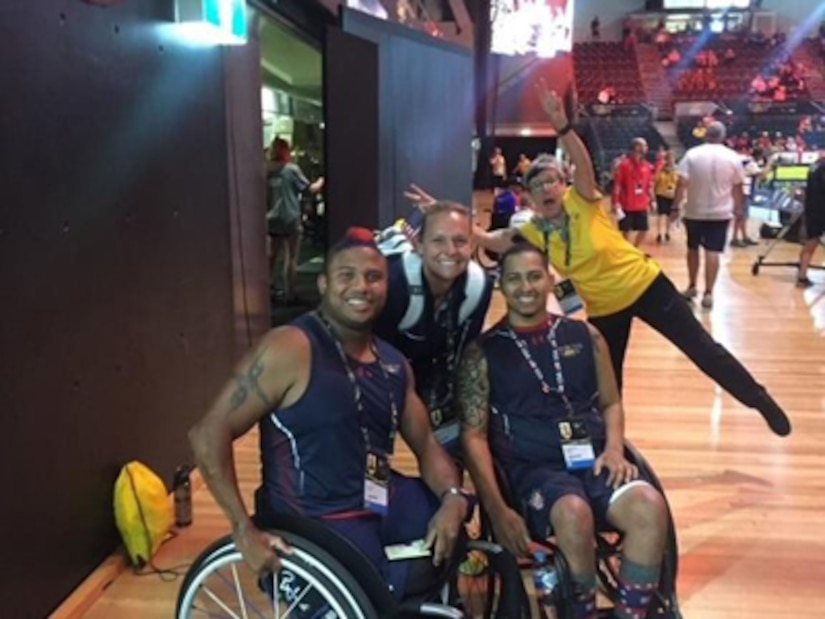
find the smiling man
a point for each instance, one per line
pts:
(329, 399)
(437, 302)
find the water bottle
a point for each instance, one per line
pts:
(545, 580)
(182, 489)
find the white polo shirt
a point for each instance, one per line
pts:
(711, 170)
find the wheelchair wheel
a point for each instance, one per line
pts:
(310, 585)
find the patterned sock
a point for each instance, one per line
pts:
(584, 598)
(636, 586)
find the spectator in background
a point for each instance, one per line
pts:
(740, 224)
(285, 185)
(665, 188)
(498, 167)
(813, 219)
(711, 179)
(595, 28)
(633, 192)
(730, 56)
(522, 166)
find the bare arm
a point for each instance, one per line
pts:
(317, 185)
(437, 469)
(681, 192)
(738, 200)
(438, 473)
(584, 178)
(260, 382)
(610, 403)
(497, 240)
(472, 396)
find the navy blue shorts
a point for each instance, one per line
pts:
(538, 487)
(709, 233)
(412, 506)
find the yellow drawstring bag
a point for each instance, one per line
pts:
(143, 511)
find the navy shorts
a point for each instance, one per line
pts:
(634, 221)
(412, 506)
(538, 487)
(708, 233)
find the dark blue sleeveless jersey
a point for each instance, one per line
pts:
(426, 344)
(523, 426)
(313, 453)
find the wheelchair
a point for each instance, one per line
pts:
(608, 548)
(327, 577)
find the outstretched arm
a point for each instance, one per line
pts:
(584, 178)
(472, 395)
(610, 403)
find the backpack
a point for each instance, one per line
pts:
(143, 511)
(397, 240)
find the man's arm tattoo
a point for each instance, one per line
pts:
(473, 388)
(248, 384)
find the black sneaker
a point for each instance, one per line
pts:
(775, 417)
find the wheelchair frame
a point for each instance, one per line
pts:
(355, 590)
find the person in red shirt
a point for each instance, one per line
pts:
(633, 192)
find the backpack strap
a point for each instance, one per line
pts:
(473, 291)
(415, 307)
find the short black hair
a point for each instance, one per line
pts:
(443, 206)
(354, 237)
(518, 248)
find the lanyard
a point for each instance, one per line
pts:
(554, 348)
(547, 227)
(453, 348)
(356, 389)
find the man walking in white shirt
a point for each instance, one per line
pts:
(711, 179)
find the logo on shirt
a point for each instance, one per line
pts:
(570, 350)
(392, 368)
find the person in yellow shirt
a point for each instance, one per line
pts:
(665, 189)
(616, 280)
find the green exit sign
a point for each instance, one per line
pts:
(221, 21)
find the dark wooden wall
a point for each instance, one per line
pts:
(123, 201)
(425, 114)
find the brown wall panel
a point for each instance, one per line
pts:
(118, 321)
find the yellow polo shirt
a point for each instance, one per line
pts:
(609, 273)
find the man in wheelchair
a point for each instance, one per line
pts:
(538, 399)
(329, 399)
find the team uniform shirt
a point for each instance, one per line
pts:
(435, 343)
(609, 273)
(313, 452)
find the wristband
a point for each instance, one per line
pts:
(565, 130)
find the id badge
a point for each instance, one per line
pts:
(377, 484)
(576, 445)
(567, 296)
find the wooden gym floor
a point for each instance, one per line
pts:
(748, 506)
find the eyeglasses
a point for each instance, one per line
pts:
(543, 183)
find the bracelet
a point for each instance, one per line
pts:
(453, 491)
(565, 130)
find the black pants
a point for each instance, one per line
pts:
(663, 308)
